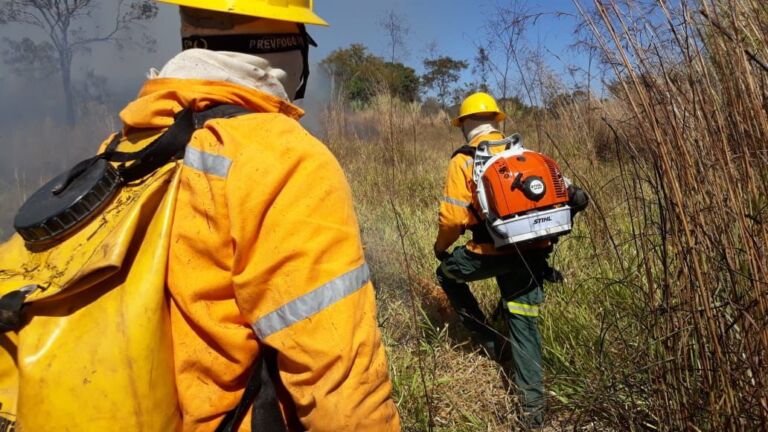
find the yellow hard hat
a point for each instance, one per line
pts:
(478, 103)
(298, 11)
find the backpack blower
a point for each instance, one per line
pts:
(522, 194)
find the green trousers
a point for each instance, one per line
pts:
(520, 282)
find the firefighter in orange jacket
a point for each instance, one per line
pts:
(265, 258)
(519, 272)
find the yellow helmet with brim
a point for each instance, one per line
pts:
(478, 103)
(298, 11)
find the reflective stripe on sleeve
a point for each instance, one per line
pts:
(206, 162)
(523, 309)
(459, 203)
(312, 302)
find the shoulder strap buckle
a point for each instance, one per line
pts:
(12, 308)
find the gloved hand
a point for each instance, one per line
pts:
(545, 272)
(440, 255)
(552, 275)
(577, 199)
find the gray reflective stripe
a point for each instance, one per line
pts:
(459, 203)
(206, 162)
(312, 302)
(468, 163)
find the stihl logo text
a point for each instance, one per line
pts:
(542, 219)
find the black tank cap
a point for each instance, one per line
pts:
(47, 216)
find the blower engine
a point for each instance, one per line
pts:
(522, 194)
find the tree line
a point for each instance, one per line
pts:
(505, 63)
(60, 31)
(359, 75)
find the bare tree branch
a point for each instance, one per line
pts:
(60, 21)
(397, 28)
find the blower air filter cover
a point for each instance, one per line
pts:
(47, 216)
(534, 188)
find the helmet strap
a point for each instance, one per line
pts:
(305, 58)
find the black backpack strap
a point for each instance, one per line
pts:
(261, 394)
(465, 150)
(480, 233)
(164, 149)
(266, 414)
(219, 112)
(171, 144)
(181, 125)
(167, 147)
(6, 424)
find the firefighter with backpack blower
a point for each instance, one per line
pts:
(516, 203)
(204, 272)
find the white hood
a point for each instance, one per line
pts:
(237, 68)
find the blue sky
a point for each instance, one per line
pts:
(456, 26)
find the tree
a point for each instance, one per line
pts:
(353, 71)
(403, 81)
(26, 58)
(509, 56)
(504, 29)
(441, 75)
(361, 75)
(396, 28)
(482, 69)
(62, 24)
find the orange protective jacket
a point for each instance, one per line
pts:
(265, 252)
(455, 214)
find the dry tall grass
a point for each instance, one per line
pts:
(396, 166)
(694, 81)
(661, 323)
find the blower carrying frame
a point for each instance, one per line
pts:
(547, 213)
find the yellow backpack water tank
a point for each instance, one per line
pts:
(94, 352)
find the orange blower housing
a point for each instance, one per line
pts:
(512, 188)
(522, 194)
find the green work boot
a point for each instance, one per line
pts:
(534, 420)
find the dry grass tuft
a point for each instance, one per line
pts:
(468, 384)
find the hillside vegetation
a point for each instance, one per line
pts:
(661, 323)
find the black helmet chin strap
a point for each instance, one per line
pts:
(260, 44)
(305, 58)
